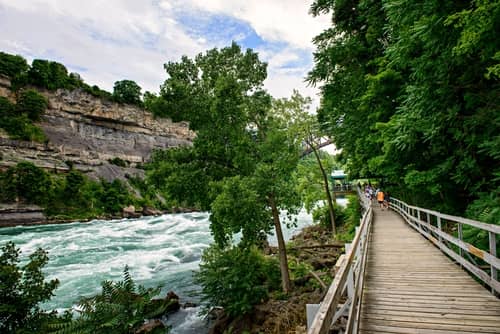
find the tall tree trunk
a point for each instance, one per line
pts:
(331, 209)
(285, 276)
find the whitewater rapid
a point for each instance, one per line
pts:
(162, 250)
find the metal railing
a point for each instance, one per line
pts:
(431, 223)
(343, 187)
(347, 286)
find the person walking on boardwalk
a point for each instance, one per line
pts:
(387, 200)
(380, 199)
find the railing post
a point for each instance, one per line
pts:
(428, 222)
(418, 220)
(350, 276)
(460, 237)
(439, 227)
(493, 251)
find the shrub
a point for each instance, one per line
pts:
(352, 219)
(237, 278)
(6, 111)
(118, 162)
(11, 65)
(322, 215)
(31, 103)
(22, 289)
(120, 308)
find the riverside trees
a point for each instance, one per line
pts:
(411, 92)
(242, 159)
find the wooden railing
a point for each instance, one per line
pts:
(347, 286)
(433, 225)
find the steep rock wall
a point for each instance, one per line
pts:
(87, 132)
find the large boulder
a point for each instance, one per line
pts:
(149, 211)
(129, 212)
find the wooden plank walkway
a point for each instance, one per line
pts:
(412, 287)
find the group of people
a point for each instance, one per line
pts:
(383, 198)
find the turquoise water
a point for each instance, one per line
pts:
(158, 250)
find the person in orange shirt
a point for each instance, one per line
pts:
(380, 199)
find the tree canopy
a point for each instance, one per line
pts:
(411, 92)
(242, 159)
(127, 91)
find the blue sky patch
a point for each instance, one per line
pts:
(220, 29)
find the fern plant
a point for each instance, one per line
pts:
(121, 308)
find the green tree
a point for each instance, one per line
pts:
(127, 91)
(410, 93)
(306, 127)
(11, 65)
(30, 182)
(39, 73)
(32, 103)
(22, 289)
(239, 147)
(114, 197)
(58, 76)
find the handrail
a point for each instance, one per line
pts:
(429, 223)
(348, 281)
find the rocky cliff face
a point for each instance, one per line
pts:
(88, 132)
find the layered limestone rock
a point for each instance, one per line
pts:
(87, 132)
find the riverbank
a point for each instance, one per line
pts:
(12, 215)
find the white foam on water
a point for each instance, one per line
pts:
(161, 250)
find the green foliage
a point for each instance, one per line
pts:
(127, 91)
(16, 119)
(11, 65)
(309, 180)
(120, 308)
(352, 214)
(7, 110)
(71, 195)
(97, 92)
(299, 269)
(114, 197)
(237, 278)
(31, 103)
(118, 162)
(410, 92)
(321, 215)
(26, 182)
(238, 207)
(155, 104)
(22, 289)
(50, 75)
(242, 150)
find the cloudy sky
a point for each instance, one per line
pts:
(110, 40)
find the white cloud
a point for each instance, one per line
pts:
(113, 40)
(276, 20)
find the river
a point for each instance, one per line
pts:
(158, 250)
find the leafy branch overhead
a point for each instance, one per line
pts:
(411, 93)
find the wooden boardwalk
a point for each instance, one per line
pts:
(412, 287)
